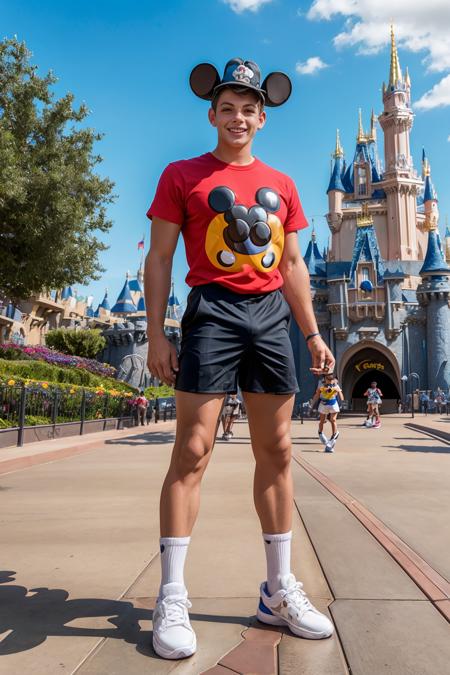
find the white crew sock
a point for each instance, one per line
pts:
(173, 554)
(278, 555)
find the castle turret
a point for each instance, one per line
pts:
(124, 303)
(447, 242)
(434, 294)
(430, 200)
(400, 181)
(336, 189)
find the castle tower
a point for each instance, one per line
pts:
(434, 294)
(400, 181)
(335, 193)
(447, 242)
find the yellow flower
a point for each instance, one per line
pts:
(44, 385)
(11, 383)
(72, 391)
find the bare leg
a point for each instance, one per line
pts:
(269, 417)
(322, 421)
(196, 430)
(333, 422)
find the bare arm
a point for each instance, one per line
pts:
(297, 291)
(162, 359)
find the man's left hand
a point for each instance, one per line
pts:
(323, 361)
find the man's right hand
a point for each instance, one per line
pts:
(162, 360)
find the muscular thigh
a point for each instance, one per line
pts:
(197, 416)
(269, 419)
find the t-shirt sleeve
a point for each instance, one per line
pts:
(169, 199)
(295, 219)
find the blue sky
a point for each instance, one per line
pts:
(130, 62)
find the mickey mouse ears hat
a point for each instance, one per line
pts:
(205, 81)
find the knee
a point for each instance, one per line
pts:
(190, 456)
(277, 453)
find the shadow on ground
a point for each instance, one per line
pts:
(419, 448)
(149, 438)
(29, 616)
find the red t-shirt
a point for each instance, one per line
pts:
(233, 220)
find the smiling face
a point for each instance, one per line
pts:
(237, 118)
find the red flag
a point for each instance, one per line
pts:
(140, 244)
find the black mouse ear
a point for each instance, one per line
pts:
(268, 199)
(221, 199)
(203, 80)
(277, 87)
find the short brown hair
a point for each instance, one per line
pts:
(240, 91)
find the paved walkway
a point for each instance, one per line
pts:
(81, 566)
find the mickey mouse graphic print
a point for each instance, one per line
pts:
(233, 220)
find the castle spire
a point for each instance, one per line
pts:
(361, 138)
(373, 127)
(339, 151)
(395, 73)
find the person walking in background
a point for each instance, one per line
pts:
(230, 412)
(424, 402)
(374, 396)
(328, 393)
(141, 407)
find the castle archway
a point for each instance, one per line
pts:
(368, 362)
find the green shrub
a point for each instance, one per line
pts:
(163, 391)
(33, 420)
(42, 371)
(12, 353)
(86, 343)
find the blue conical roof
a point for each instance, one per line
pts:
(141, 304)
(67, 293)
(104, 303)
(90, 312)
(336, 176)
(434, 259)
(429, 192)
(124, 303)
(314, 260)
(447, 232)
(366, 249)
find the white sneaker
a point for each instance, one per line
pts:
(335, 436)
(290, 606)
(323, 438)
(330, 445)
(173, 636)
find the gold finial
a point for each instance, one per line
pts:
(430, 223)
(361, 138)
(426, 169)
(364, 219)
(313, 233)
(395, 73)
(339, 151)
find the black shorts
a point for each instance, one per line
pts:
(229, 339)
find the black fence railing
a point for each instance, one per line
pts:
(26, 407)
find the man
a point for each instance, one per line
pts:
(239, 220)
(328, 393)
(373, 405)
(230, 413)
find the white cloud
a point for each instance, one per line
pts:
(310, 66)
(437, 97)
(419, 27)
(240, 6)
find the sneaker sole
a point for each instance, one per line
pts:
(180, 653)
(273, 620)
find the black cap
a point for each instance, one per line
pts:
(205, 81)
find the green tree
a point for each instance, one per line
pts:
(87, 343)
(51, 200)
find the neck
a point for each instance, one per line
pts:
(231, 155)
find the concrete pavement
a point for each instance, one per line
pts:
(81, 563)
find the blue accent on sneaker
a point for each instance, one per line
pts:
(264, 609)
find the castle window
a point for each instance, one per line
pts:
(361, 181)
(365, 274)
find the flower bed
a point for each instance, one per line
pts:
(38, 353)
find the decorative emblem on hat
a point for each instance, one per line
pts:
(243, 74)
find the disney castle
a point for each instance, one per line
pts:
(381, 291)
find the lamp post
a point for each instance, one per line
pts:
(404, 379)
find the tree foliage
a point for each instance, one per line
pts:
(87, 343)
(51, 200)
